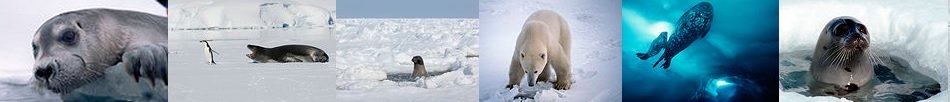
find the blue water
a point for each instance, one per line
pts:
(734, 62)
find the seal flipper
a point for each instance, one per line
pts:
(147, 60)
(658, 44)
(667, 57)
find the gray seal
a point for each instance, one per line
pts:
(693, 25)
(419, 68)
(75, 48)
(287, 53)
(841, 63)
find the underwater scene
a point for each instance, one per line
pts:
(700, 51)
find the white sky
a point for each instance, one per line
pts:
(21, 18)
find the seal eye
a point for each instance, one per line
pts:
(542, 56)
(34, 50)
(862, 29)
(522, 56)
(68, 37)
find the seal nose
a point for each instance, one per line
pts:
(44, 71)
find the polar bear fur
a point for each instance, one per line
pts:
(544, 44)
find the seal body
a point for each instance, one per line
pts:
(287, 53)
(543, 47)
(693, 25)
(419, 68)
(75, 48)
(841, 62)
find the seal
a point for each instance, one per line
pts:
(209, 53)
(841, 63)
(74, 48)
(287, 53)
(693, 25)
(543, 45)
(419, 68)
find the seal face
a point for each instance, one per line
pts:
(74, 48)
(842, 64)
(287, 53)
(419, 68)
(693, 25)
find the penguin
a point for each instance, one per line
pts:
(209, 53)
(330, 21)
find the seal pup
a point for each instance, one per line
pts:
(419, 68)
(543, 46)
(287, 53)
(74, 48)
(693, 25)
(209, 53)
(842, 64)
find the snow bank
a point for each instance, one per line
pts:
(250, 14)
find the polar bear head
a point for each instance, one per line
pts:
(534, 52)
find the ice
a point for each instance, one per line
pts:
(595, 54)
(288, 15)
(234, 78)
(913, 31)
(377, 55)
(250, 14)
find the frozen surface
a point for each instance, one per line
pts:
(913, 31)
(595, 53)
(375, 59)
(197, 14)
(234, 78)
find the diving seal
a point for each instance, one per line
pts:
(75, 48)
(287, 53)
(841, 62)
(693, 25)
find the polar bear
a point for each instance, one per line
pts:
(544, 44)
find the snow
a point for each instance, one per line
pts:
(595, 41)
(250, 13)
(914, 31)
(234, 78)
(231, 25)
(376, 58)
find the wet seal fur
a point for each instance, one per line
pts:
(842, 62)
(419, 68)
(544, 45)
(693, 25)
(287, 53)
(76, 48)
